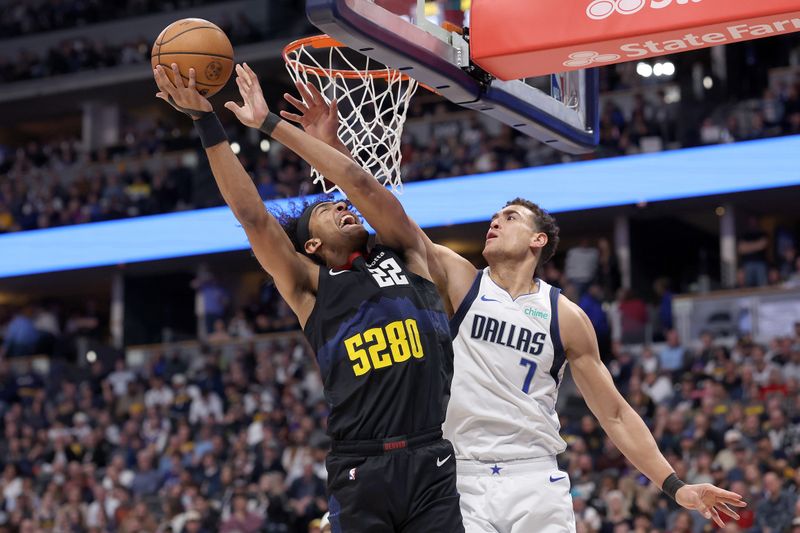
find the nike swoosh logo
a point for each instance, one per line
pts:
(333, 273)
(440, 463)
(485, 299)
(554, 479)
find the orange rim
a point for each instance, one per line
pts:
(324, 41)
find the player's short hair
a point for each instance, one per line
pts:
(289, 219)
(545, 223)
(292, 218)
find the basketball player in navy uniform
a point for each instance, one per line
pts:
(513, 335)
(372, 315)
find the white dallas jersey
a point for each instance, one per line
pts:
(509, 362)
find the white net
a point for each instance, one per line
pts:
(372, 101)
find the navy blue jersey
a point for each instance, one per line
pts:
(382, 341)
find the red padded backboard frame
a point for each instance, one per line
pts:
(514, 39)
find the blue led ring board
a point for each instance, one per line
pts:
(398, 34)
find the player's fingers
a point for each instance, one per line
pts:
(300, 105)
(163, 81)
(192, 78)
(241, 74)
(251, 74)
(703, 510)
(178, 77)
(304, 94)
(234, 108)
(717, 520)
(727, 510)
(334, 107)
(315, 94)
(725, 494)
(735, 503)
(292, 117)
(244, 90)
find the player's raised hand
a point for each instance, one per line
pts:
(317, 117)
(709, 501)
(179, 95)
(254, 108)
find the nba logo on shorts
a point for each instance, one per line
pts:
(352, 474)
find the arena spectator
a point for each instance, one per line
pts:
(672, 358)
(753, 253)
(215, 304)
(608, 275)
(592, 304)
(241, 520)
(580, 266)
(21, 336)
(775, 511)
(633, 316)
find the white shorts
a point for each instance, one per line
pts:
(531, 496)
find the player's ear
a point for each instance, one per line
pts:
(539, 240)
(312, 245)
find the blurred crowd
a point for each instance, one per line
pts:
(231, 437)
(154, 169)
(589, 275)
(67, 331)
(767, 258)
(200, 444)
(82, 53)
(723, 412)
(26, 17)
(657, 125)
(58, 182)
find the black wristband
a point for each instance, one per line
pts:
(270, 123)
(210, 130)
(671, 485)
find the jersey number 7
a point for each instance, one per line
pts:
(526, 385)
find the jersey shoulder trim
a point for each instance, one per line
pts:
(458, 317)
(559, 356)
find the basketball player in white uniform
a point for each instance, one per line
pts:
(512, 336)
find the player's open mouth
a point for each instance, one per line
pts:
(347, 220)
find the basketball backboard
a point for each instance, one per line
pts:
(408, 35)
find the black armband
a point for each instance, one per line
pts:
(270, 123)
(671, 485)
(210, 130)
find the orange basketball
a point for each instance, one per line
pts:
(195, 43)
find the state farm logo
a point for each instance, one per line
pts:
(602, 9)
(585, 59)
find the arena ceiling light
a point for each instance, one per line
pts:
(645, 70)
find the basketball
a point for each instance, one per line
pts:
(197, 43)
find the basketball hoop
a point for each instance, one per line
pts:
(372, 100)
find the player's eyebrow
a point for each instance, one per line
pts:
(505, 211)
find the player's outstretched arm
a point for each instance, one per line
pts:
(624, 426)
(295, 276)
(452, 273)
(379, 206)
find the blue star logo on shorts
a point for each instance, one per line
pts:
(496, 470)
